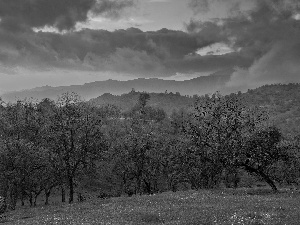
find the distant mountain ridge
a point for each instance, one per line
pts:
(199, 85)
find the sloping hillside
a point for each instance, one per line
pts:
(283, 102)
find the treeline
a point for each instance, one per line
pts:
(72, 145)
(281, 100)
(168, 101)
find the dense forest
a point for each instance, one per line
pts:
(77, 147)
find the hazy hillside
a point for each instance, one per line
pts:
(282, 101)
(167, 101)
(200, 85)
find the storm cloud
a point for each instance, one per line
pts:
(112, 8)
(154, 53)
(61, 14)
(229, 6)
(259, 36)
(267, 34)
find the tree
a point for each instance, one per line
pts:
(137, 156)
(145, 112)
(260, 152)
(177, 161)
(74, 138)
(137, 162)
(227, 134)
(22, 157)
(143, 98)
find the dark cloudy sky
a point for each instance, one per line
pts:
(64, 42)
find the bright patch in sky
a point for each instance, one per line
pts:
(111, 25)
(297, 16)
(215, 49)
(159, 1)
(149, 15)
(186, 76)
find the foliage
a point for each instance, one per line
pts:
(74, 137)
(168, 102)
(22, 157)
(79, 146)
(227, 133)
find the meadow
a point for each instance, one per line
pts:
(207, 207)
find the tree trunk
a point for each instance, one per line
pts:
(3, 205)
(268, 180)
(155, 186)
(71, 190)
(171, 183)
(12, 197)
(147, 186)
(63, 194)
(23, 196)
(80, 197)
(263, 175)
(139, 185)
(36, 195)
(30, 200)
(22, 200)
(35, 199)
(47, 194)
(236, 179)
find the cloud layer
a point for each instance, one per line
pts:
(61, 14)
(159, 53)
(144, 54)
(262, 34)
(267, 34)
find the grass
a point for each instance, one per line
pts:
(207, 207)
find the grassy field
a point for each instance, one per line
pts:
(243, 206)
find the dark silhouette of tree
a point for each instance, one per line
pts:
(261, 151)
(143, 98)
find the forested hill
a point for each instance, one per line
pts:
(166, 101)
(283, 95)
(283, 102)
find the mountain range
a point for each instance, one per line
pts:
(200, 85)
